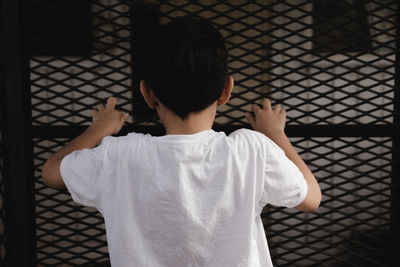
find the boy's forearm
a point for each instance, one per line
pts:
(91, 137)
(284, 143)
(271, 122)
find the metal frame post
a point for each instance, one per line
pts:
(395, 190)
(18, 163)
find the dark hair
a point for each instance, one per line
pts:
(187, 65)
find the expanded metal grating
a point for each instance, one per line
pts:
(352, 226)
(328, 62)
(271, 48)
(67, 233)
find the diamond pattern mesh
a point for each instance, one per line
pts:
(65, 88)
(301, 54)
(271, 54)
(352, 225)
(67, 233)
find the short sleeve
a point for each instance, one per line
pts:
(284, 184)
(80, 171)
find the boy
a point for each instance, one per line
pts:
(192, 197)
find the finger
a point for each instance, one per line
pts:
(266, 103)
(111, 103)
(277, 107)
(251, 119)
(94, 114)
(124, 116)
(255, 108)
(101, 107)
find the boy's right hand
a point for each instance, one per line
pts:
(267, 120)
(107, 119)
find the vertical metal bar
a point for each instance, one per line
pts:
(18, 161)
(2, 214)
(395, 184)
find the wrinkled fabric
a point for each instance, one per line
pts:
(185, 200)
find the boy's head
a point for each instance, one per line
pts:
(187, 65)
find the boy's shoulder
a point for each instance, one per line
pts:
(256, 139)
(245, 132)
(249, 135)
(131, 137)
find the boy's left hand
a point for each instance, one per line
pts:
(107, 118)
(106, 121)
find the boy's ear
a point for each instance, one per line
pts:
(148, 95)
(226, 93)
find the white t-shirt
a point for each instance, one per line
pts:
(185, 200)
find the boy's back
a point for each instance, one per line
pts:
(185, 200)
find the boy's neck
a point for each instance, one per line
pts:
(195, 122)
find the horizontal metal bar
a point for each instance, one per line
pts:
(337, 130)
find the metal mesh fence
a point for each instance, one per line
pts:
(272, 50)
(328, 62)
(352, 227)
(66, 232)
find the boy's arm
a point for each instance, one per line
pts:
(271, 122)
(106, 121)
